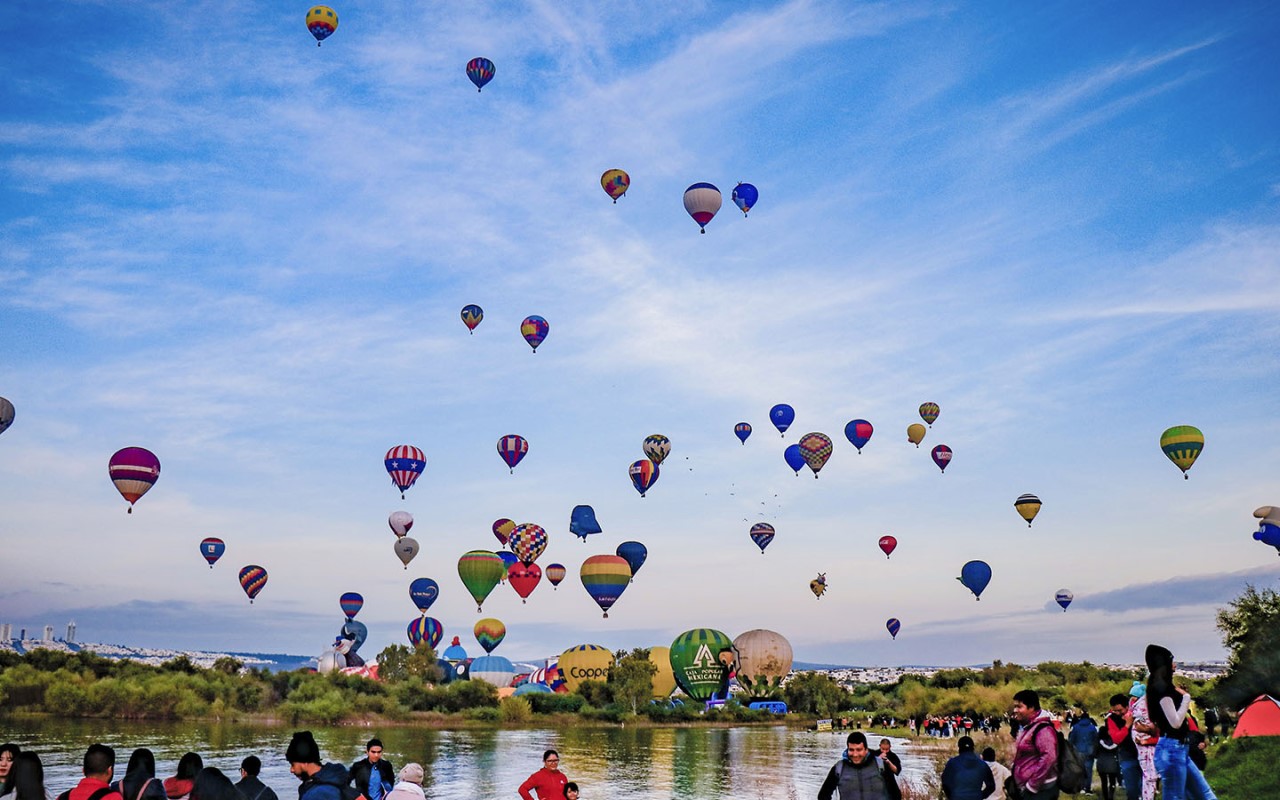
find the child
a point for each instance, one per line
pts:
(571, 791)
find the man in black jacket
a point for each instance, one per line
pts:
(373, 776)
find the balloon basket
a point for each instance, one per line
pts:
(130, 509)
(606, 615)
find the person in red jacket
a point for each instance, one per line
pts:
(99, 769)
(548, 782)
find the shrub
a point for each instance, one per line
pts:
(1244, 768)
(515, 710)
(485, 714)
(67, 699)
(555, 703)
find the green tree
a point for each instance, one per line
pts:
(595, 693)
(814, 693)
(631, 678)
(1250, 627)
(228, 665)
(398, 662)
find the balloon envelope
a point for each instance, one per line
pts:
(534, 329)
(942, 456)
(509, 560)
(472, 315)
(818, 585)
(555, 573)
(585, 662)
(605, 578)
(423, 592)
(351, 603)
(764, 659)
(502, 529)
(1182, 445)
(404, 463)
(782, 415)
(657, 447)
(701, 659)
(643, 474)
(6, 414)
(1268, 534)
(212, 549)
(489, 633)
(742, 430)
(615, 183)
(762, 533)
(582, 522)
(635, 554)
(480, 71)
(893, 626)
(524, 579)
(702, 201)
(455, 651)
(1027, 506)
(528, 541)
(929, 412)
(888, 544)
(425, 629)
(976, 575)
(513, 449)
(744, 196)
(133, 470)
(794, 458)
(401, 523)
(252, 579)
(480, 571)
(664, 679)
(816, 449)
(858, 432)
(1064, 598)
(322, 21)
(406, 548)
(915, 433)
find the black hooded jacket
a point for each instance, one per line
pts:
(1160, 687)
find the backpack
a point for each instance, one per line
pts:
(1071, 775)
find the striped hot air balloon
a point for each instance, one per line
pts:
(133, 470)
(351, 603)
(1182, 444)
(742, 430)
(405, 464)
(555, 573)
(1027, 506)
(929, 412)
(212, 549)
(513, 449)
(489, 633)
(252, 579)
(480, 71)
(480, 571)
(702, 201)
(762, 533)
(605, 578)
(644, 474)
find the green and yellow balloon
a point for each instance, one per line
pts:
(1182, 444)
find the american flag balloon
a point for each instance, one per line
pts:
(404, 464)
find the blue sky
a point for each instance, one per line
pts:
(248, 254)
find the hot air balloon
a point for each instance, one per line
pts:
(664, 679)
(212, 550)
(524, 579)
(764, 659)
(454, 652)
(605, 578)
(472, 315)
(509, 560)
(585, 662)
(888, 544)
(942, 457)
(615, 183)
(1182, 444)
(657, 447)
(975, 575)
(635, 553)
(401, 522)
(6, 414)
(502, 529)
(742, 430)
(702, 201)
(134, 470)
(1268, 531)
(252, 579)
(701, 660)
(423, 592)
(1027, 505)
(480, 571)
(582, 522)
(489, 633)
(915, 433)
(643, 475)
(762, 533)
(480, 71)
(782, 415)
(1064, 598)
(555, 573)
(818, 585)
(512, 448)
(322, 21)
(929, 412)
(351, 603)
(893, 626)
(744, 196)
(425, 629)
(534, 329)
(816, 449)
(528, 541)
(532, 688)
(406, 548)
(858, 432)
(794, 458)
(404, 464)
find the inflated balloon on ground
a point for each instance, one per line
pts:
(764, 660)
(701, 660)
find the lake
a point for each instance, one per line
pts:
(640, 763)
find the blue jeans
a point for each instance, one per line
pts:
(1131, 777)
(1179, 778)
(1087, 760)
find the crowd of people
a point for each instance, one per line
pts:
(1148, 737)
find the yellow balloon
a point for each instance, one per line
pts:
(915, 433)
(664, 680)
(586, 662)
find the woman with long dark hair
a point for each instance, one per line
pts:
(1169, 707)
(179, 786)
(27, 779)
(8, 755)
(212, 784)
(140, 781)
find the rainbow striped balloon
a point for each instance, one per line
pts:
(605, 578)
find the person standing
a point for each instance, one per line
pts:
(858, 775)
(28, 779)
(373, 776)
(999, 772)
(967, 777)
(180, 785)
(1035, 760)
(139, 781)
(99, 768)
(319, 782)
(250, 786)
(409, 783)
(892, 769)
(1084, 738)
(1169, 706)
(547, 782)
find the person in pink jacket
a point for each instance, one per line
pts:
(1035, 759)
